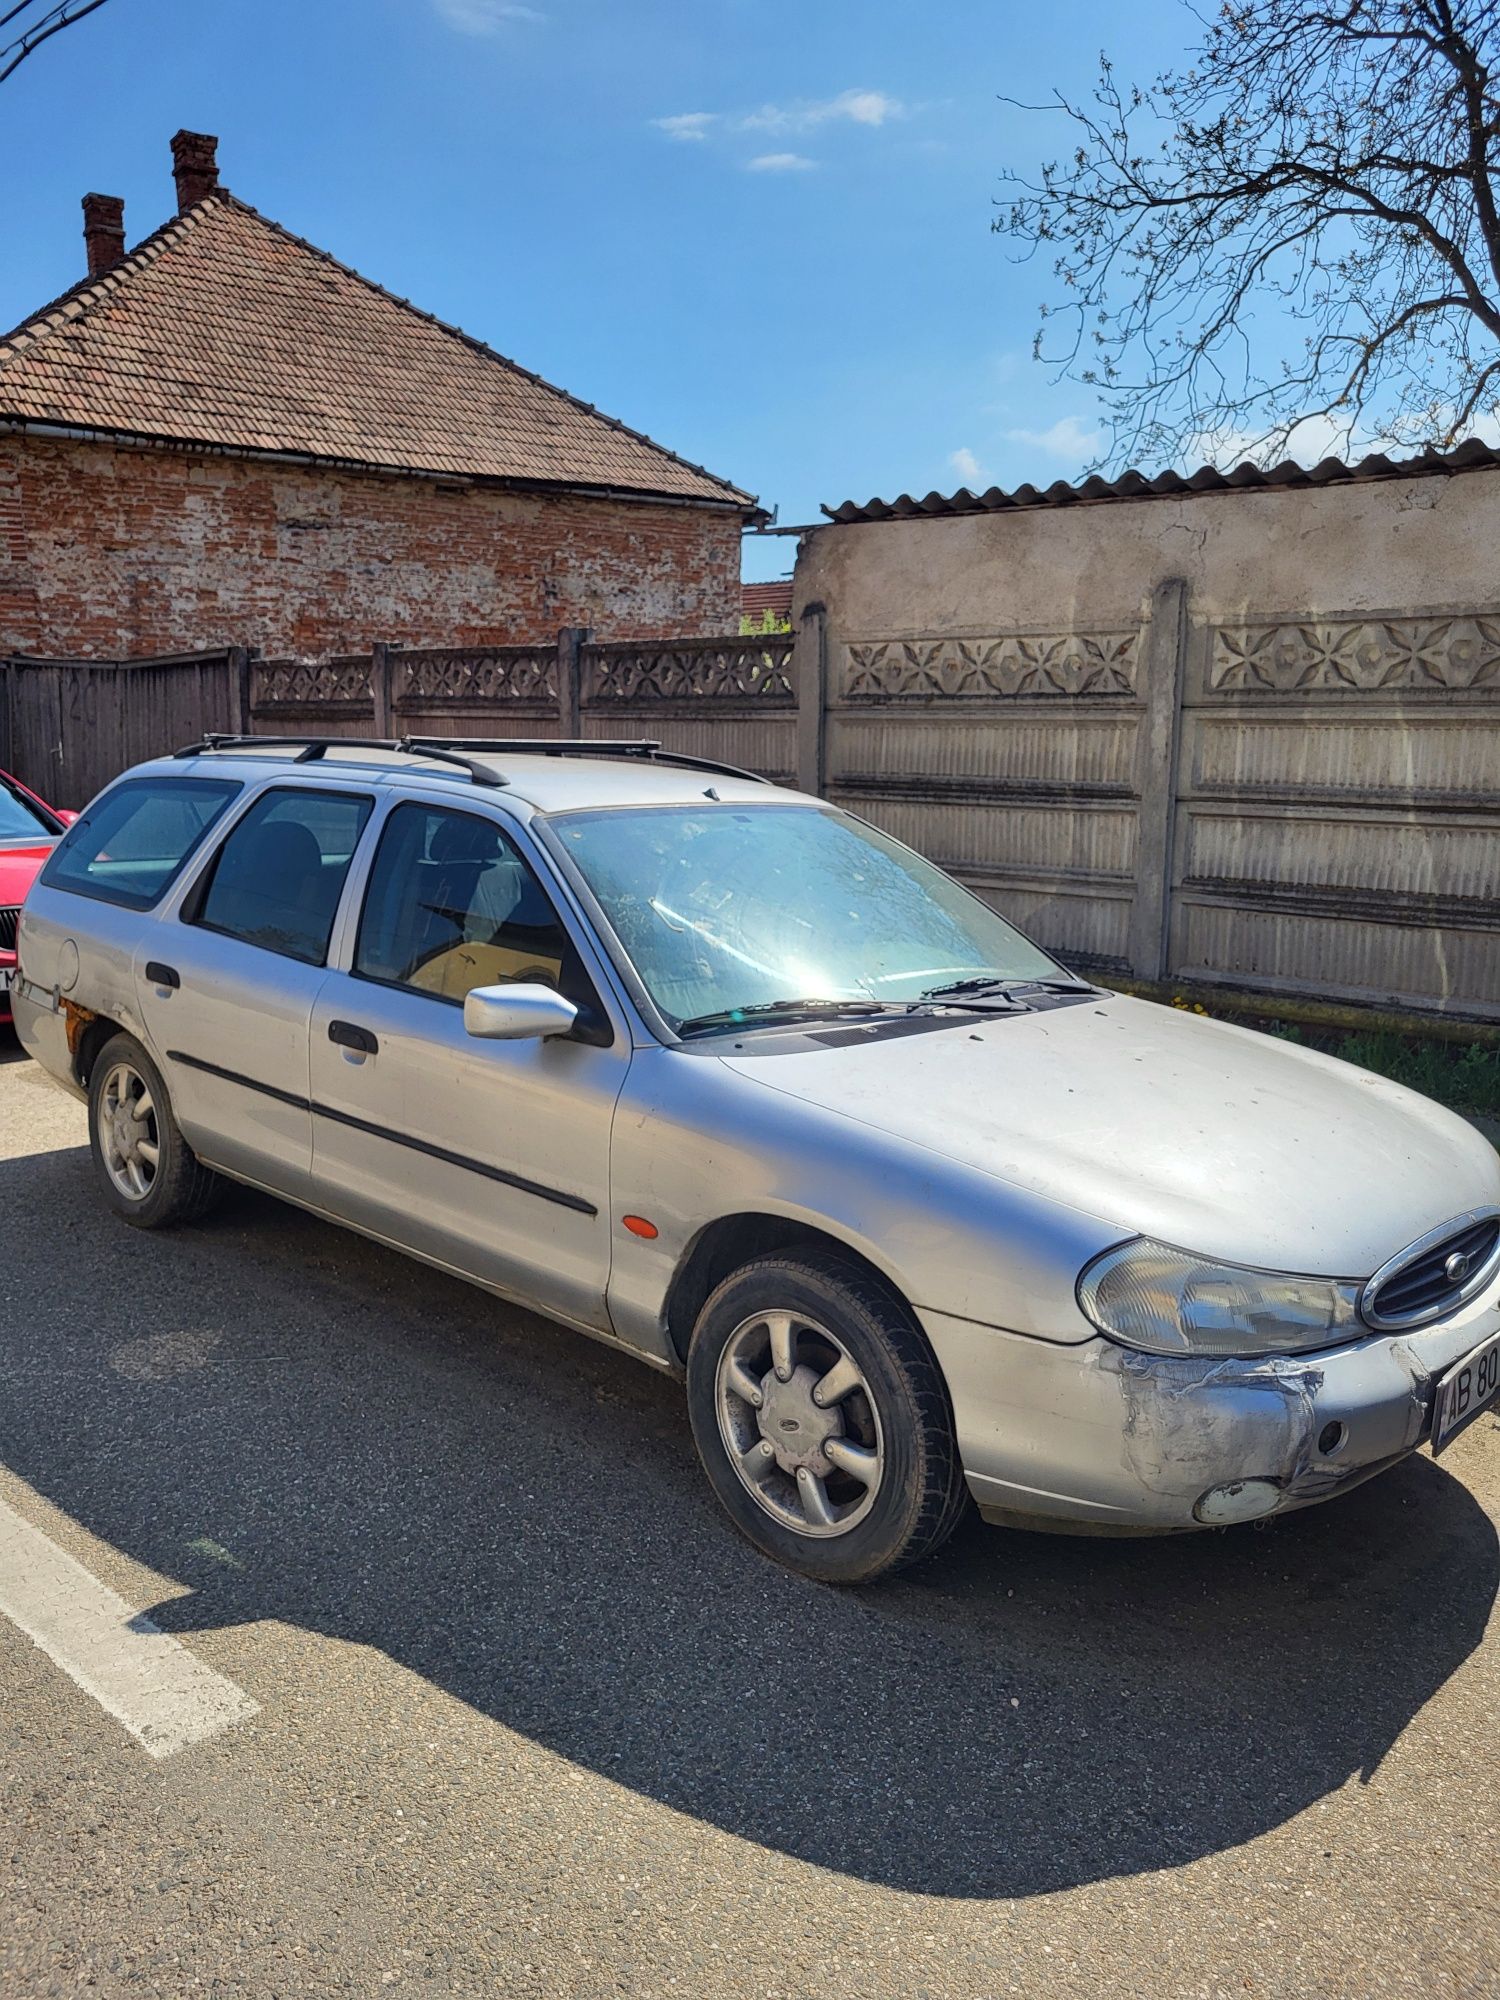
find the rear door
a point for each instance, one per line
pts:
(103, 890)
(490, 1157)
(226, 990)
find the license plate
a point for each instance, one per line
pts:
(1469, 1388)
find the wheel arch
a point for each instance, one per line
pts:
(732, 1241)
(93, 1034)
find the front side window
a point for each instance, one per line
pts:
(452, 905)
(22, 820)
(277, 879)
(133, 842)
(727, 909)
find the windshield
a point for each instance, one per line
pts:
(20, 819)
(730, 908)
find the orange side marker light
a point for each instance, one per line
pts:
(639, 1226)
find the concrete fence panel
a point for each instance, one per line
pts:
(1338, 816)
(1238, 737)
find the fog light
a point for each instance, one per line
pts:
(1240, 1500)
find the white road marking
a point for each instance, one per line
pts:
(163, 1694)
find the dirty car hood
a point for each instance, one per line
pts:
(1211, 1137)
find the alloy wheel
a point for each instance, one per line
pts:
(799, 1424)
(128, 1137)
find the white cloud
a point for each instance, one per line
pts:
(483, 17)
(968, 468)
(686, 124)
(1066, 439)
(779, 163)
(1485, 426)
(1321, 437)
(865, 107)
(860, 107)
(1313, 439)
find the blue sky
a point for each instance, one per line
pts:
(757, 229)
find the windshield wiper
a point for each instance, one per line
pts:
(1004, 989)
(812, 1009)
(981, 994)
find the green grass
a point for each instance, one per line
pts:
(1466, 1078)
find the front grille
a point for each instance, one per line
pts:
(9, 919)
(1420, 1286)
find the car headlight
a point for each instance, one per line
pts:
(1165, 1301)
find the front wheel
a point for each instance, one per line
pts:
(822, 1420)
(148, 1172)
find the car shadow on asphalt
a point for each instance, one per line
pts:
(297, 1425)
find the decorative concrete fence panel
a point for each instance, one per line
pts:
(729, 699)
(1246, 737)
(68, 727)
(1011, 757)
(1338, 808)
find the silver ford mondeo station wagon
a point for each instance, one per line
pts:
(718, 1073)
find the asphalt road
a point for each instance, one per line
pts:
(532, 1721)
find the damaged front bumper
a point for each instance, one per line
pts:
(1097, 1438)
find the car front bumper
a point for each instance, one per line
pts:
(1096, 1438)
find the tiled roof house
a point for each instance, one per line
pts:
(766, 604)
(226, 436)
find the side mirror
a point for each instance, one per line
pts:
(65, 813)
(516, 1013)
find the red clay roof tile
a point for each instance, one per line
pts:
(224, 330)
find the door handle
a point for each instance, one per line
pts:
(162, 975)
(348, 1036)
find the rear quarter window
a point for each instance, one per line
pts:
(132, 843)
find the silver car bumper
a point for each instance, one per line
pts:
(1096, 1438)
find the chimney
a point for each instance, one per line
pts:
(103, 231)
(195, 166)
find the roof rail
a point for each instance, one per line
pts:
(312, 749)
(646, 747)
(460, 750)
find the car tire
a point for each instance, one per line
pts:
(149, 1174)
(862, 1480)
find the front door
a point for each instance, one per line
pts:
(226, 992)
(490, 1157)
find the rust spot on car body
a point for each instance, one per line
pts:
(76, 1020)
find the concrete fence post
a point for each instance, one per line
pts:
(571, 641)
(239, 687)
(810, 678)
(1164, 665)
(380, 688)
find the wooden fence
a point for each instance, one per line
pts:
(68, 726)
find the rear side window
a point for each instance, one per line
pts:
(277, 879)
(132, 843)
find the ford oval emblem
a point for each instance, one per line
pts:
(1458, 1267)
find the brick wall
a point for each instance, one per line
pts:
(114, 553)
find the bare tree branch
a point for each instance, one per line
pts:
(1332, 170)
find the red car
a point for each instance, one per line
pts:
(29, 831)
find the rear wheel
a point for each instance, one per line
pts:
(149, 1173)
(822, 1420)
